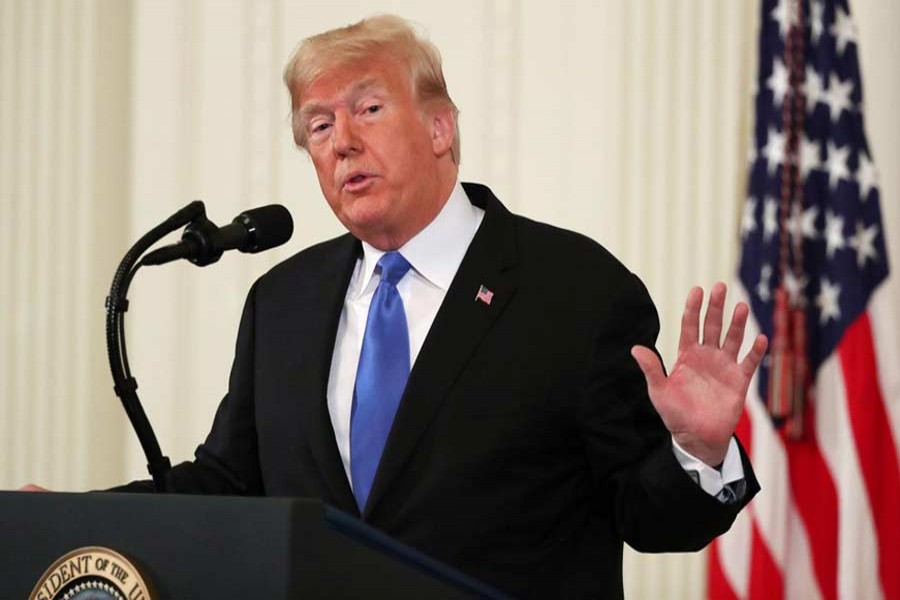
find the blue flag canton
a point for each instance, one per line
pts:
(843, 249)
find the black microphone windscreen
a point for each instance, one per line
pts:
(268, 226)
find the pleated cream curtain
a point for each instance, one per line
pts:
(63, 171)
(627, 120)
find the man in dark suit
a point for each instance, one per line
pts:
(467, 380)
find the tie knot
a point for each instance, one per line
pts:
(393, 267)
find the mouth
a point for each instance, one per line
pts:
(357, 181)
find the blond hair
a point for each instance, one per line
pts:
(385, 35)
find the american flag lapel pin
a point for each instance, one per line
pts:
(484, 295)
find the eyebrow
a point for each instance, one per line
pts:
(309, 109)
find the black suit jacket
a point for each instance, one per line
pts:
(525, 449)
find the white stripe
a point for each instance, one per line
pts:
(857, 543)
(800, 581)
(771, 467)
(734, 550)
(884, 334)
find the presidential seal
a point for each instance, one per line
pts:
(91, 573)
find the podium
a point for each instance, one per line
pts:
(196, 547)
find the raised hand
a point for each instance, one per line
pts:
(701, 400)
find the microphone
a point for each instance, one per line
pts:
(252, 231)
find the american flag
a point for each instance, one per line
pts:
(484, 295)
(822, 421)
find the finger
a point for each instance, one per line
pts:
(690, 320)
(755, 355)
(712, 324)
(735, 335)
(30, 487)
(650, 365)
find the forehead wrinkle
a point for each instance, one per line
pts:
(356, 89)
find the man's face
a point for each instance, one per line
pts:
(374, 150)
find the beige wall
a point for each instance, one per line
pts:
(627, 120)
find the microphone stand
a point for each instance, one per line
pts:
(124, 384)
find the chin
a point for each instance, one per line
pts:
(364, 221)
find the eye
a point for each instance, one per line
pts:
(373, 108)
(318, 128)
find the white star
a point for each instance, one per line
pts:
(866, 175)
(827, 301)
(817, 21)
(762, 288)
(774, 150)
(808, 222)
(838, 96)
(834, 233)
(844, 30)
(836, 164)
(814, 91)
(810, 156)
(796, 288)
(748, 220)
(778, 81)
(770, 219)
(803, 223)
(864, 243)
(782, 15)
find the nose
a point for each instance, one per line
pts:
(345, 137)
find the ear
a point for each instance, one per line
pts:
(443, 129)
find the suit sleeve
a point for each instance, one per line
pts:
(227, 463)
(639, 484)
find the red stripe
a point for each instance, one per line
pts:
(875, 446)
(815, 497)
(744, 430)
(717, 585)
(766, 579)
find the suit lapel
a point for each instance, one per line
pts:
(317, 304)
(458, 328)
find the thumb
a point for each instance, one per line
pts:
(651, 366)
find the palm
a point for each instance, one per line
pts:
(703, 396)
(701, 400)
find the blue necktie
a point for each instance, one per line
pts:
(380, 377)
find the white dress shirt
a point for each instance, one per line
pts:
(435, 254)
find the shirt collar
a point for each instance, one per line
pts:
(436, 252)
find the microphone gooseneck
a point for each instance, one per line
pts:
(202, 243)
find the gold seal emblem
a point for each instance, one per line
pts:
(91, 573)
